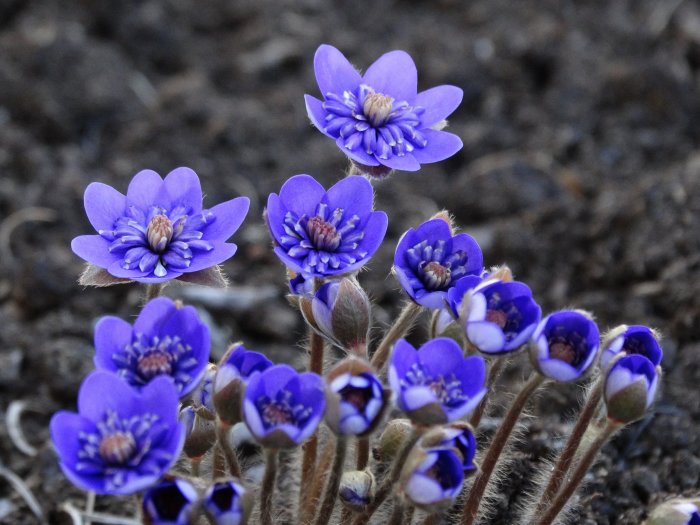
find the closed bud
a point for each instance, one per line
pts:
(228, 502)
(395, 433)
(171, 502)
(356, 490)
(445, 216)
(675, 512)
(630, 387)
(200, 433)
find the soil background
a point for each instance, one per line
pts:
(580, 169)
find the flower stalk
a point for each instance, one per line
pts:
(268, 486)
(222, 440)
(403, 324)
(331, 491)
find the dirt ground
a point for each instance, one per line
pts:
(580, 122)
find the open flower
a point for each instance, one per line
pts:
(429, 261)
(171, 502)
(497, 316)
(564, 345)
(432, 479)
(159, 230)
(630, 387)
(320, 233)
(627, 340)
(380, 119)
(436, 384)
(282, 407)
(165, 340)
(122, 440)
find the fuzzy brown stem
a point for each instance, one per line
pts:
(401, 327)
(219, 464)
(195, 463)
(494, 373)
(362, 453)
(399, 512)
(433, 519)
(571, 447)
(153, 291)
(471, 508)
(308, 505)
(268, 486)
(579, 472)
(222, 441)
(331, 492)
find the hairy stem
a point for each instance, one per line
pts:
(401, 327)
(571, 447)
(222, 440)
(471, 508)
(495, 370)
(331, 492)
(195, 463)
(153, 291)
(399, 512)
(313, 493)
(89, 506)
(218, 467)
(579, 472)
(268, 486)
(362, 453)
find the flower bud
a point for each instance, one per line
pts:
(171, 502)
(390, 441)
(201, 397)
(443, 324)
(228, 502)
(432, 479)
(340, 311)
(627, 340)
(235, 368)
(458, 436)
(675, 512)
(200, 433)
(356, 490)
(630, 387)
(355, 398)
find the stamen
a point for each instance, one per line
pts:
(159, 233)
(117, 447)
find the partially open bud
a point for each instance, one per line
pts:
(201, 397)
(235, 368)
(357, 488)
(432, 479)
(395, 433)
(675, 512)
(458, 436)
(355, 398)
(200, 433)
(630, 387)
(299, 286)
(228, 502)
(340, 311)
(628, 340)
(171, 502)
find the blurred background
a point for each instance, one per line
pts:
(580, 122)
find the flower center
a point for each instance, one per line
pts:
(275, 414)
(377, 108)
(159, 233)
(357, 397)
(498, 317)
(155, 363)
(117, 447)
(323, 234)
(563, 350)
(436, 276)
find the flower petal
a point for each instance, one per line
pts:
(103, 205)
(94, 249)
(103, 391)
(439, 102)
(154, 315)
(112, 336)
(181, 187)
(316, 113)
(144, 189)
(354, 195)
(302, 193)
(334, 73)
(407, 162)
(441, 145)
(393, 74)
(358, 154)
(229, 217)
(221, 252)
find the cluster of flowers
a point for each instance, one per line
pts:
(156, 397)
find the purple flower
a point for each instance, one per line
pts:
(498, 316)
(436, 384)
(225, 502)
(380, 118)
(234, 371)
(633, 340)
(300, 285)
(320, 233)
(564, 345)
(169, 503)
(122, 440)
(282, 407)
(165, 340)
(158, 231)
(429, 261)
(458, 436)
(630, 387)
(433, 478)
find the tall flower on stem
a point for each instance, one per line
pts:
(379, 120)
(159, 230)
(323, 233)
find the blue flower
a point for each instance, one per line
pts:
(122, 440)
(355, 398)
(632, 340)
(380, 119)
(320, 233)
(498, 316)
(225, 502)
(429, 261)
(433, 478)
(282, 407)
(158, 231)
(234, 371)
(165, 340)
(436, 384)
(564, 345)
(458, 436)
(630, 387)
(169, 503)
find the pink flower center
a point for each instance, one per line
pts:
(159, 233)
(117, 447)
(377, 108)
(323, 234)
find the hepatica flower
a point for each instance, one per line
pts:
(379, 118)
(436, 384)
(429, 261)
(169, 503)
(458, 436)
(159, 230)
(282, 407)
(630, 387)
(164, 340)
(121, 440)
(226, 502)
(498, 317)
(433, 478)
(633, 340)
(321, 233)
(564, 345)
